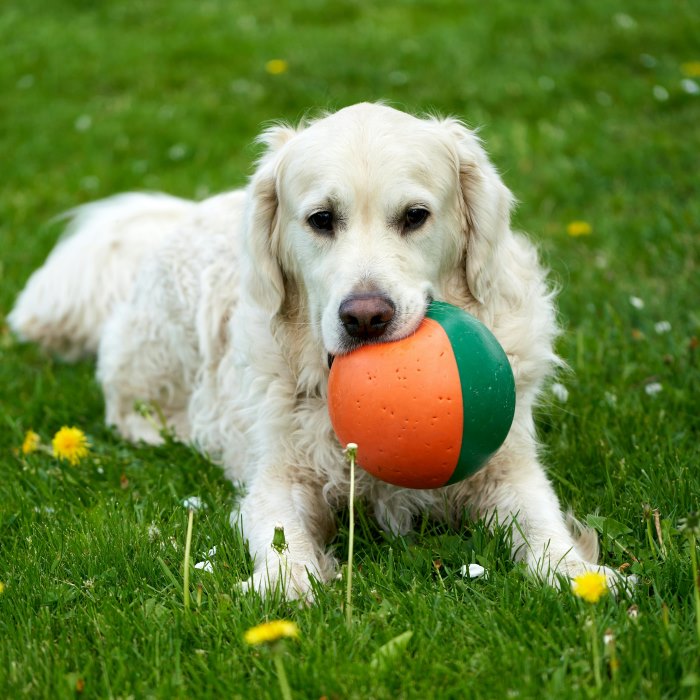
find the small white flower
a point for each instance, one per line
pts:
(25, 82)
(139, 167)
(90, 182)
(690, 86)
(247, 89)
(473, 571)
(653, 388)
(660, 93)
(560, 392)
(601, 261)
(611, 399)
(398, 77)
(637, 302)
(633, 612)
(153, 532)
(662, 327)
(205, 565)
(177, 151)
(608, 637)
(625, 21)
(194, 503)
(202, 192)
(83, 122)
(247, 23)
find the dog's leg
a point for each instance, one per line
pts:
(143, 359)
(276, 499)
(514, 490)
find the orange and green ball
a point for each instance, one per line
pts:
(428, 410)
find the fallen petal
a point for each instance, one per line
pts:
(473, 571)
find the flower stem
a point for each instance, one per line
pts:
(281, 674)
(351, 451)
(186, 576)
(696, 582)
(595, 652)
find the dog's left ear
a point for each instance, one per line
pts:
(262, 273)
(486, 205)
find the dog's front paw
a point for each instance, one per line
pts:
(291, 580)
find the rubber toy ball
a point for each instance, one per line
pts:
(430, 409)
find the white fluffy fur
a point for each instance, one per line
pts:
(223, 313)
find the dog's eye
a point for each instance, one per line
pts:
(322, 221)
(415, 218)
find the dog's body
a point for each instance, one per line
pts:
(224, 314)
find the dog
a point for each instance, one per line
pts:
(225, 314)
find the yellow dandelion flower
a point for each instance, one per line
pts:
(276, 66)
(271, 632)
(70, 444)
(31, 442)
(591, 586)
(2, 587)
(691, 69)
(579, 228)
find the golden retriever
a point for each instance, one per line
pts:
(224, 313)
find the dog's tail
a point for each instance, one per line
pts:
(93, 267)
(585, 538)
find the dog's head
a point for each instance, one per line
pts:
(368, 214)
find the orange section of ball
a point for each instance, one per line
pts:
(401, 403)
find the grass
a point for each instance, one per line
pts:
(583, 110)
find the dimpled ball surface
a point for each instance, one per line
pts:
(428, 410)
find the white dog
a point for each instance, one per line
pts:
(224, 314)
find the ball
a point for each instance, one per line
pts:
(428, 410)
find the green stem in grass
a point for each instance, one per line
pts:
(281, 673)
(647, 519)
(696, 582)
(351, 452)
(690, 526)
(595, 651)
(188, 545)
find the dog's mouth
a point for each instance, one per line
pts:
(394, 333)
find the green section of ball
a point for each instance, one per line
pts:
(488, 386)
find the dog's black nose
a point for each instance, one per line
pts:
(366, 316)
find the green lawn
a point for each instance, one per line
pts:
(589, 111)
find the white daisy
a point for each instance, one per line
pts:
(653, 388)
(560, 392)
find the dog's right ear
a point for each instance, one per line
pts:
(261, 237)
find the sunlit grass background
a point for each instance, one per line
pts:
(591, 111)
